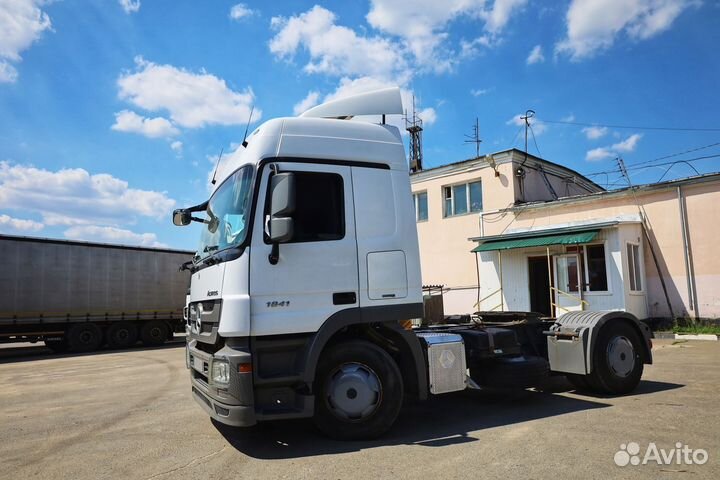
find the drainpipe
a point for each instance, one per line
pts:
(689, 270)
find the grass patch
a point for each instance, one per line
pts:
(697, 329)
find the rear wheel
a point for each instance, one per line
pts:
(154, 333)
(84, 337)
(617, 359)
(121, 335)
(359, 391)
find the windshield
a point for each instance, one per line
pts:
(227, 214)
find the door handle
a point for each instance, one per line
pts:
(344, 298)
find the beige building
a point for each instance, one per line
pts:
(548, 239)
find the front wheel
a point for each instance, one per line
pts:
(359, 391)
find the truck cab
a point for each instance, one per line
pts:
(310, 234)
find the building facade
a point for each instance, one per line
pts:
(547, 239)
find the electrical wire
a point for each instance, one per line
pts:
(534, 141)
(635, 127)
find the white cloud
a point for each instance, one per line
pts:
(112, 235)
(9, 224)
(177, 147)
(8, 73)
(593, 133)
(74, 196)
(593, 25)
(629, 144)
(21, 23)
(536, 56)
(240, 11)
(193, 100)
(131, 122)
(477, 92)
(130, 6)
(335, 50)
(308, 102)
(498, 16)
(537, 126)
(568, 118)
(423, 25)
(597, 154)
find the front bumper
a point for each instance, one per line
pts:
(231, 404)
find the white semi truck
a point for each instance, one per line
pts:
(308, 267)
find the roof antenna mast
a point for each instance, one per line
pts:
(415, 128)
(475, 138)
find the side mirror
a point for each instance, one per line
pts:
(282, 206)
(181, 217)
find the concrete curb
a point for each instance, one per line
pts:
(682, 336)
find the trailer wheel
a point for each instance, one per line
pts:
(153, 333)
(617, 360)
(121, 335)
(359, 391)
(84, 337)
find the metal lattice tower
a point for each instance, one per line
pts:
(415, 128)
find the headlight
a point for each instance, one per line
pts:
(220, 371)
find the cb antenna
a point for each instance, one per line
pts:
(244, 142)
(213, 181)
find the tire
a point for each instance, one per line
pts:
(57, 346)
(617, 360)
(512, 372)
(358, 391)
(121, 335)
(84, 337)
(154, 333)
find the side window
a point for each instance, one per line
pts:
(634, 268)
(319, 207)
(421, 206)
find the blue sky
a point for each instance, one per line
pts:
(113, 112)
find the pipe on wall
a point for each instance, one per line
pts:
(689, 270)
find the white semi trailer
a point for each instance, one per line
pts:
(78, 296)
(309, 263)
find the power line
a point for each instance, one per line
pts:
(615, 170)
(535, 141)
(634, 127)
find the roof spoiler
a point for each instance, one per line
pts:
(378, 102)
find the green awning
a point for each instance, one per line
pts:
(538, 241)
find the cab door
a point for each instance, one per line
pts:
(316, 274)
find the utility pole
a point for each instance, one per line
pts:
(475, 138)
(526, 118)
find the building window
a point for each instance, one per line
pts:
(596, 270)
(593, 266)
(634, 267)
(421, 206)
(461, 199)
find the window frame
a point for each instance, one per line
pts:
(586, 272)
(266, 208)
(451, 188)
(639, 272)
(416, 204)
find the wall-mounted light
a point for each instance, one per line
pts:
(491, 161)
